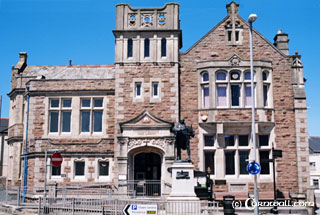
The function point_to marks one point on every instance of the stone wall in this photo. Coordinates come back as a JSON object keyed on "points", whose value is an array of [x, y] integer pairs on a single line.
{"points": [[213, 47]]}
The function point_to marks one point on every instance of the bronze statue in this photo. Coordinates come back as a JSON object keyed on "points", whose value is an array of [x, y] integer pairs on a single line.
{"points": [[183, 134]]}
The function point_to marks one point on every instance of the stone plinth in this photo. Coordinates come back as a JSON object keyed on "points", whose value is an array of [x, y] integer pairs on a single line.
{"points": [[182, 182]]}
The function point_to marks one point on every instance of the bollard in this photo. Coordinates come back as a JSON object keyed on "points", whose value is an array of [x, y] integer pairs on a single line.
{"points": [[227, 205]]}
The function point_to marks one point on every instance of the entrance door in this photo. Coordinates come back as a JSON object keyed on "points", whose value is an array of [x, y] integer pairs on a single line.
{"points": [[147, 173]]}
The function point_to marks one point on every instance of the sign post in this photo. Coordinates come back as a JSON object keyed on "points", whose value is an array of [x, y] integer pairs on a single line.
{"points": [[133, 209]]}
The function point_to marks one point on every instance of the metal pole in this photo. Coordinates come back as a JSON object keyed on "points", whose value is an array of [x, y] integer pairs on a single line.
{"points": [[275, 208], [26, 151], [45, 178], [256, 198]]}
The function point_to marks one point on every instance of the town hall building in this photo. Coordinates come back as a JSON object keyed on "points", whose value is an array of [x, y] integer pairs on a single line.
{"points": [[113, 123]]}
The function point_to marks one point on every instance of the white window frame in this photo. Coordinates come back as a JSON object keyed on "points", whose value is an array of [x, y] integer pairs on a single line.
{"points": [[60, 109], [92, 109]]}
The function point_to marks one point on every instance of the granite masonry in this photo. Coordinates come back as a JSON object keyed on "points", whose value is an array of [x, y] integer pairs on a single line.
{"points": [[113, 122]]}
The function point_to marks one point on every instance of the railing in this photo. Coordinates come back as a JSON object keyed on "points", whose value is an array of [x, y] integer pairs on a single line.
{"points": [[147, 188], [84, 206]]}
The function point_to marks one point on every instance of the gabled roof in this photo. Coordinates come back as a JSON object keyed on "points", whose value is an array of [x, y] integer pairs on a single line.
{"points": [[314, 144], [246, 23]]}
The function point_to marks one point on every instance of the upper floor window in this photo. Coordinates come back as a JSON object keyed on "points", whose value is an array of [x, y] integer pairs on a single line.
{"points": [[91, 114], [146, 48], [155, 89], [59, 115], [233, 32], [130, 48], [163, 47], [137, 89], [266, 86], [205, 89]]}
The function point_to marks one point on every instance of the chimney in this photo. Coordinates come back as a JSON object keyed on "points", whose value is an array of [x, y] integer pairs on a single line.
{"points": [[281, 41], [22, 63]]}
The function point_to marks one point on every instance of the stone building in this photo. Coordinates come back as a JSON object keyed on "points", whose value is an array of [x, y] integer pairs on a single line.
{"points": [[113, 122]]}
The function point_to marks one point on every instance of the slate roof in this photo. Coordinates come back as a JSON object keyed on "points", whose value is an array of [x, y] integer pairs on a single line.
{"points": [[4, 124], [71, 72], [314, 144]]}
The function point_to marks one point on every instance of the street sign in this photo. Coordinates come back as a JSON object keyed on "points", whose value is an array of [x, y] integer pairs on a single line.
{"points": [[56, 159], [133, 209], [253, 168], [277, 153]]}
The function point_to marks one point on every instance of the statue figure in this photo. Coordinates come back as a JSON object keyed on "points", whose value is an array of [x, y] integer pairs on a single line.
{"points": [[183, 134]]}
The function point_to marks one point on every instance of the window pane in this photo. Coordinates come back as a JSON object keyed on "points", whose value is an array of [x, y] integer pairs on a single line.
{"points": [[54, 103], [243, 140], [263, 140], [54, 116], [264, 76], [248, 98], [66, 103], [79, 166], [138, 89], [229, 162], [237, 35], [316, 183], [229, 140], [229, 35], [205, 96], [55, 170], [98, 102], [130, 46], [243, 157], [85, 103], [235, 76], [97, 121], [265, 95], [221, 76], [163, 47], [264, 162], [247, 76], [222, 95], [146, 48], [103, 168], [155, 89], [235, 95], [209, 161], [66, 121], [208, 140], [205, 77], [85, 121]]}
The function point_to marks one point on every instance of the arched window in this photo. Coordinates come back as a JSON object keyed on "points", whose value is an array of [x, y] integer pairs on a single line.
{"points": [[205, 89], [221, 76], [146, 48], [221, 88], [266, 86], [205, 76], [163, 47], [130, 47]]}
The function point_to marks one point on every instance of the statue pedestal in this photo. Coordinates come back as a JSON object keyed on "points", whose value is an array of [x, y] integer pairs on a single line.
{"points": [[182, 182], [182, 199]]}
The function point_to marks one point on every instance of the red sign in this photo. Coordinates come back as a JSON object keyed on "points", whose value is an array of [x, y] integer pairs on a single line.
{"points": [[56, 159]]}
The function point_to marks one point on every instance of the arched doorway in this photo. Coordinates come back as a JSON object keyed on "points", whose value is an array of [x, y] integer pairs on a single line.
{"points": [[147, 174], [147, 166]]}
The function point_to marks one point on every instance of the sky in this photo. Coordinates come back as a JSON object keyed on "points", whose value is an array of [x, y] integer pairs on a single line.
{"points": [[54, 31]]}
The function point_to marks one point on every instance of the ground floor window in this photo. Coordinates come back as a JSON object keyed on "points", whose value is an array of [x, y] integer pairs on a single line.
{"points": [[55, 170], [103, 168], [79, 168]]}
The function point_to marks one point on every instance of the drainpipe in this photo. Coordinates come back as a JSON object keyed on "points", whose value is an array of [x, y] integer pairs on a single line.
{"points": [[25, 175]]}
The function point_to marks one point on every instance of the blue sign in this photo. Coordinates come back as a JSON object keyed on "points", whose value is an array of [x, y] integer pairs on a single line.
{"points": [[253, 168]]}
